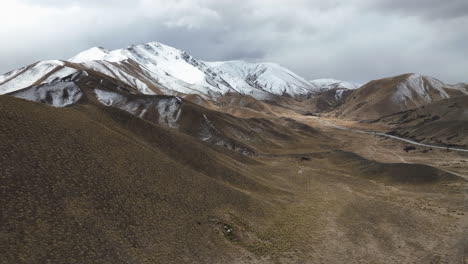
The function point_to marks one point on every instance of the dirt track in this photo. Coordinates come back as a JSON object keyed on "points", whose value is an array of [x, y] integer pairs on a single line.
{"points": [[327, 123]]}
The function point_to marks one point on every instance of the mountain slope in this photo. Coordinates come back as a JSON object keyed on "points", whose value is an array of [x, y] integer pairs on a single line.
{"points": [[39, 72], [269, 77], [172, 68], [442, 122], [48, 71], [242, 135], [396, 94]]}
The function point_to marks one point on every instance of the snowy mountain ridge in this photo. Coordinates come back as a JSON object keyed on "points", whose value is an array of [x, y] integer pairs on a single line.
{"points": [[256, 79], [270, 77], [328, 83], [155, 68]]}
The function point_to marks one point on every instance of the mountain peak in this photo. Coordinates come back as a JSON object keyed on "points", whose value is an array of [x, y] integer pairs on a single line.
{"points": [[94, 53]]}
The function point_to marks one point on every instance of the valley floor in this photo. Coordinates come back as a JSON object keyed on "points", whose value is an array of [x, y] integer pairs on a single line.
{"points": [[338, 215]]}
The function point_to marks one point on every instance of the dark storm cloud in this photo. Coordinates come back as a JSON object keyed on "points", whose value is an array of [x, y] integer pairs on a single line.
{"points": [[356, 40]]}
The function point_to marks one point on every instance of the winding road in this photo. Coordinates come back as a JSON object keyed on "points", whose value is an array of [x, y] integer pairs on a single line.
{"points": [[389, 136]]}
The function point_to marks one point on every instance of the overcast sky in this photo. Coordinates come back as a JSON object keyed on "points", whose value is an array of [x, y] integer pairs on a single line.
{"points": [[355, 40]]}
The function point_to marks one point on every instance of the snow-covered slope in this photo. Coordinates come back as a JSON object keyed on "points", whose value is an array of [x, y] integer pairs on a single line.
{"points": [[417, 88], [154, 56], [327, 84], [168, 108], [94, 53], [166, 67], [48, 71], [269, 77], [39, 72]]}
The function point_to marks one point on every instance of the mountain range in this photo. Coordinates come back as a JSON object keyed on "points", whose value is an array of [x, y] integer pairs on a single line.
{"points": [[239, 88], [154, 68]]}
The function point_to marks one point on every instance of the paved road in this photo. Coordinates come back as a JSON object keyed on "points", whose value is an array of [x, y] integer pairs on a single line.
{"points": [[389, 136]]}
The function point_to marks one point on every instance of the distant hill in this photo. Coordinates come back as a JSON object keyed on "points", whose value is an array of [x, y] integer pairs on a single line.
{"points": [[442, 122], [387, 96]]}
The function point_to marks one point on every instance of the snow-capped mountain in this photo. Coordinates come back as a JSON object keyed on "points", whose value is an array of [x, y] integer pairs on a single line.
{"points": [[270, 77], [155, 68], [165, 66], [328, 84]]}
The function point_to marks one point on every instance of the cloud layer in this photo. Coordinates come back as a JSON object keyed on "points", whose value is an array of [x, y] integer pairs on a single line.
{"points": [[358, 40]]}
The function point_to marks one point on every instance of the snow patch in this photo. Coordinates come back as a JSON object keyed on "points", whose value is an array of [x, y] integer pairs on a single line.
{"points": [[169, 109], [339, 94], [169, 112], [58, 94], [205, 132]]}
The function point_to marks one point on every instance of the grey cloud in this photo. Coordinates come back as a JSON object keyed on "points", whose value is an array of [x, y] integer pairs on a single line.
{"points": [[428, 9], [81, 3], [358, 40], [246, 54]]}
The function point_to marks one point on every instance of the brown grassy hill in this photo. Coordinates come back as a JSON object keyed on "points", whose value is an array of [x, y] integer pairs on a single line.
{"points": [[197, 99], [90, 184], [328, 100], [397, 173], [387, 96], [243, 106], [443, 122]]}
